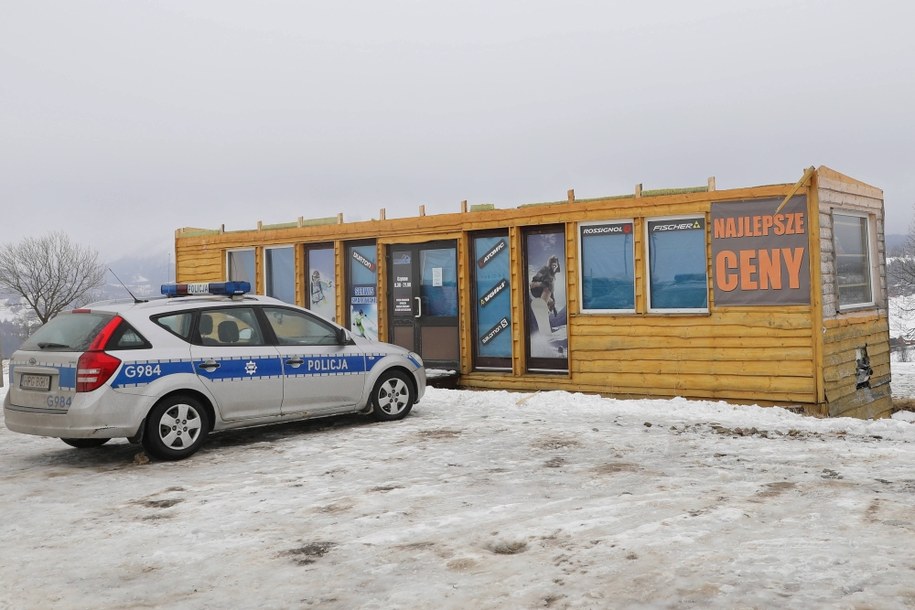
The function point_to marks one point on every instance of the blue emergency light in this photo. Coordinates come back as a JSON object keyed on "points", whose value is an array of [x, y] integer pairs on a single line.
{"points": [[227, 289]]}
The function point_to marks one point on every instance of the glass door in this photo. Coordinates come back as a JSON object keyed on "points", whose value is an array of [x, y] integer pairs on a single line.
{"points": [[423, 301]]}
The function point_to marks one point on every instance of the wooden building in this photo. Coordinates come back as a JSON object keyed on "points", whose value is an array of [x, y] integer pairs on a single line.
{"points": [[774, 295]]}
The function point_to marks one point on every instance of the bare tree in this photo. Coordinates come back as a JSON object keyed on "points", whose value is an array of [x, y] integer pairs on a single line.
{"points": [[900, 274], [50, 273]]}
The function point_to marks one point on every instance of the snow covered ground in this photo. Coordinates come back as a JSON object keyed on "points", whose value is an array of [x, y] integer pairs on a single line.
{"points": [[477, 500]]}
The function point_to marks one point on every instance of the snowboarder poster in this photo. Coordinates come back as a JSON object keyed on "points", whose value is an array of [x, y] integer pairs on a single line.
{"points": [[322, 297], [546, 296]]}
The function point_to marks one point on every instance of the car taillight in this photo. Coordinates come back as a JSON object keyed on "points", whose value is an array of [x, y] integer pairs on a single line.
{"points": [[94, 369], [100, 341]]}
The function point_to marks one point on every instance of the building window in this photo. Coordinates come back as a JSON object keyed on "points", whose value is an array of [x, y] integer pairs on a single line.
{"points": [[279, 273], [322, 295], [492, 311], [677, 265], [361, 289], [544, 250], [852, 260], [240, 266], [607, 269]]}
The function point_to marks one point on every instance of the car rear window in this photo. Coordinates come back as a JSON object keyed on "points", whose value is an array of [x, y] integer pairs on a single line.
{"points": [[68, 332]]}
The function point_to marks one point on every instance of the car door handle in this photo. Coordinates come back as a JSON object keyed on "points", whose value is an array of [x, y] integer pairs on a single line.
{"points": [[295, 362], [209, 365]]}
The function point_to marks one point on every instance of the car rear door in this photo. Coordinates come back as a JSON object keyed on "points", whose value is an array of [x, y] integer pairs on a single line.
{"points": [[234, 362]]}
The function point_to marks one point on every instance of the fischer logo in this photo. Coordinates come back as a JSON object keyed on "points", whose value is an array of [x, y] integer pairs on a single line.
{"points": [[491, 254], [677, 226], [605, 229]]}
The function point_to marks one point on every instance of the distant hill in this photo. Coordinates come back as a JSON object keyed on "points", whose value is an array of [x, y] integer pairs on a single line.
{"points": [[894, 243], [142, 274]]}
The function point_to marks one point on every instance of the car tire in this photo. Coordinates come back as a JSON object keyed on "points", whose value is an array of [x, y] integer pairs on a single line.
{"points": [[392, 396], [85, 443], [176, 428]]}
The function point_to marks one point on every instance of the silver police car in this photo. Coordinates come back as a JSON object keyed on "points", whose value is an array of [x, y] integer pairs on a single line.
{"points": [[168, 371]]}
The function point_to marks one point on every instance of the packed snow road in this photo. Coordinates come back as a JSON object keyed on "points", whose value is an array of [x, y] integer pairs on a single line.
{"points": [[477, 500]]}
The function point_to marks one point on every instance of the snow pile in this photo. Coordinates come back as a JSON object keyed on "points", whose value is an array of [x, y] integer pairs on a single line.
{"points": [[477, 500]]}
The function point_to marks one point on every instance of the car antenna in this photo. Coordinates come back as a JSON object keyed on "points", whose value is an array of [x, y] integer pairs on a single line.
{"points": [[135, 299]]}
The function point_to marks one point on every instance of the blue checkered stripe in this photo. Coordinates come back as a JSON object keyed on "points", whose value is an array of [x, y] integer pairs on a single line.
{"points": [[67, 378], [139, 373], [243, 368], [327, 365], [66, 375]]}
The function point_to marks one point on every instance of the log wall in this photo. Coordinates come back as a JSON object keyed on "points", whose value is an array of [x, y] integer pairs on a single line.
{"points": [[846, 331], [789, 355]]}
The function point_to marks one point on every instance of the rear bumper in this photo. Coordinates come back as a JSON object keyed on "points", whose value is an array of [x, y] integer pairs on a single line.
{"points": [[92, 419]]}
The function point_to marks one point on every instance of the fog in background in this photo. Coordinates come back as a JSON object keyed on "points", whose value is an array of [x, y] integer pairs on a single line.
{"points": [[122, 121]]}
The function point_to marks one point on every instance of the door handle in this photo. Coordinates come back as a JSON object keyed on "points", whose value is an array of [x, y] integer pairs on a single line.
{"points": [[295, 362], [209, 365], [419, 307]]}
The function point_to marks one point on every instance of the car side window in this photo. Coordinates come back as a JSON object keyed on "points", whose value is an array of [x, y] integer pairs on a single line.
{"points": [[176, 323], [293, 327], [230, 326], [127, 337]]}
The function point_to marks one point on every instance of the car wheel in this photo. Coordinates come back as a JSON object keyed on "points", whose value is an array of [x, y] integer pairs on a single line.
{"points": [[175, 428], [392, 396], [85, 443]]}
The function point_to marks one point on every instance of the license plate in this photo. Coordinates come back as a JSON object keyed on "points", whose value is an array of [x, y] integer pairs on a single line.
{"points": [[39, 383]]}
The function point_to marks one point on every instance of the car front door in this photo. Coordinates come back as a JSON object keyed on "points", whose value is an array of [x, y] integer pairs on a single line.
{"points": [[321, 376], [234, 362]]}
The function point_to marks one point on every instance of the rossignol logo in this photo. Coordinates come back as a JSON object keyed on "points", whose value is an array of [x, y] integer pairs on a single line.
{"points": [[364, 261], [688, 225], [486, 258], [493, 332], [493, 292], [624, 229]]}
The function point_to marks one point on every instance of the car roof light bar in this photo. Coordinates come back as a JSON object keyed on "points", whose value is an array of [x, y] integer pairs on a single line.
{"points": [[228, 289]]}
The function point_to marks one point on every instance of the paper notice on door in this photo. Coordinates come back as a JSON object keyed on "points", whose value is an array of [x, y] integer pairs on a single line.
{"points": [[436, 276]]}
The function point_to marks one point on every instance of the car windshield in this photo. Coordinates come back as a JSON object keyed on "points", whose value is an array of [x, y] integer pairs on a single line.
{"points": [[68, 332]]}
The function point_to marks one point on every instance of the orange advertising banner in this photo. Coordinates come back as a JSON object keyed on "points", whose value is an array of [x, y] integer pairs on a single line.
{"points": [[759, 256]]}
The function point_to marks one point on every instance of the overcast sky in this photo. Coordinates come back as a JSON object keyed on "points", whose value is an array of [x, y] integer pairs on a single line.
{"points": [[122, 121]]}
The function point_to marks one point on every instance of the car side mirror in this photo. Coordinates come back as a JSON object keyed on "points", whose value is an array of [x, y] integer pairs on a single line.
{"points": [[342, 338]]}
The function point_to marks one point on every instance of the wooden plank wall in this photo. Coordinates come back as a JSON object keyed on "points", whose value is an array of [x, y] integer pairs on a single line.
{"points": [[766, 355], [845, 331]]}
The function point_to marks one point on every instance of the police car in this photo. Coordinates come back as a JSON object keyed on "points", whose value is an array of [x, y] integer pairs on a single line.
{"points": [[168, 371]]}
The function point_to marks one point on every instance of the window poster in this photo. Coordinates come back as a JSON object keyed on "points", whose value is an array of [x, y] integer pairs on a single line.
{"points": [[322, 295], [492, 288], [402, 287], [363, 287], [546, 298], [677, 264], [606, 266]]}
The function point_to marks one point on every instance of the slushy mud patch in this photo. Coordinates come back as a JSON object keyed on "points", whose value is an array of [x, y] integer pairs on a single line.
{"points": [[507, 547], [309, 553]]}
